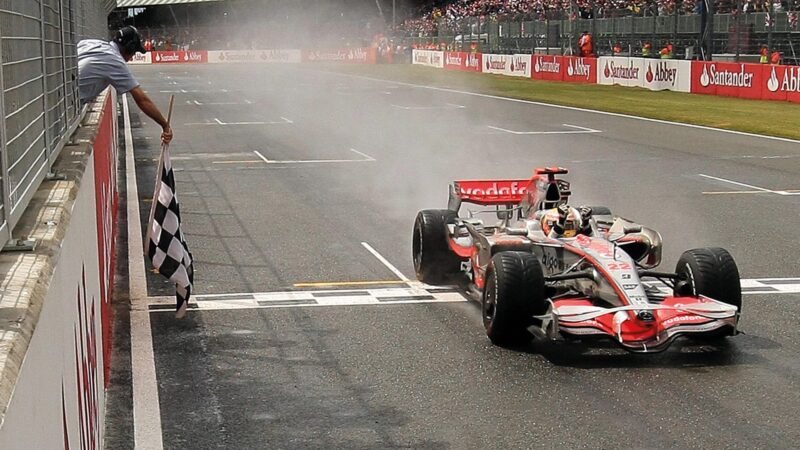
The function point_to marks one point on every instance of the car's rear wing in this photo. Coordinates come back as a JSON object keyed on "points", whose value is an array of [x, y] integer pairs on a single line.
{"points": [[487, 192]]}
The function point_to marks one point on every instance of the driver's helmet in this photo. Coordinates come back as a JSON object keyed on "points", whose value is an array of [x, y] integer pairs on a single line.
{"points": [[572, 225]]}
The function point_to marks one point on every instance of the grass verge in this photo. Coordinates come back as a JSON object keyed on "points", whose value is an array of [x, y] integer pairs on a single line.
{"points": [[752, 116]]}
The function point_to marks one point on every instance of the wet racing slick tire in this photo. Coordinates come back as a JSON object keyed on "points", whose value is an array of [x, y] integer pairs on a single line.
{"points": [[513, 294], [434, 262], [711, 272]]}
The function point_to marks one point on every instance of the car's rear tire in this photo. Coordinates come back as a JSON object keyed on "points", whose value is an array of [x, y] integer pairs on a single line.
{"points": [[711, 272], [513, 294], [434, 262]]}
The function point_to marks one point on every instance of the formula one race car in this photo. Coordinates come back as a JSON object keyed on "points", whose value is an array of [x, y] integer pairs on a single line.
{"points": [[562, 273]]}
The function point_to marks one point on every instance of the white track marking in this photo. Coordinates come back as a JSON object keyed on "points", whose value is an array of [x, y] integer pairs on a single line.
{"points": [[750, 186], [580, 130], [415, 293], [217, 122], [366, 157], [195, 102], [261, 156], [305, 299], [570, 108], [385, 262], [420, 108], [146, 407], [588, 130]]}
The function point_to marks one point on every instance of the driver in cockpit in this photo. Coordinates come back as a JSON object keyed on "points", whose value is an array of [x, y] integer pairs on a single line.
{"points": [[567, 222]]}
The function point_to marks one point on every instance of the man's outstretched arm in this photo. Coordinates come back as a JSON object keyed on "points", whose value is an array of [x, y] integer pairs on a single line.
{"points": [[148, 107]]}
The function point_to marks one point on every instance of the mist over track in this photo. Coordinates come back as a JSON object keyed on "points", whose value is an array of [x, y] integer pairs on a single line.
{"points": [[299, 189]]}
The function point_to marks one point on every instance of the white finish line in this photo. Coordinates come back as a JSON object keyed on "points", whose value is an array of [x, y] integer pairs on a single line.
{"points": [[416, 293], [289, 299]]}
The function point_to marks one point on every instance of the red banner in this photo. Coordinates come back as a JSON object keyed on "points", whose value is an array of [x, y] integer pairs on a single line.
{"points": [[781, 83], [579, 70], [364, 55], [463, 61], [727, 79], [106, 200], [547, 67], [180, 57]]}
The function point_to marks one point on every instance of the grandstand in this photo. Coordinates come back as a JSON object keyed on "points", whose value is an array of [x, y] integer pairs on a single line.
{"points": [[699, 29], [723, 29], [246, 24]]}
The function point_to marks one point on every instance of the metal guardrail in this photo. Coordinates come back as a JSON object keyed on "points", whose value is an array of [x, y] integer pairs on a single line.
{"points": [[39, 103]]}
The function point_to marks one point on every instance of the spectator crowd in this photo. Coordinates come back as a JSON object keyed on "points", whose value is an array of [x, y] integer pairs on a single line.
{"points": [[453, 15]]}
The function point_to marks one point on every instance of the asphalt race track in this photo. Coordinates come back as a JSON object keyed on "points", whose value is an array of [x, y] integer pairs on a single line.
{"points": [[299, 188]]}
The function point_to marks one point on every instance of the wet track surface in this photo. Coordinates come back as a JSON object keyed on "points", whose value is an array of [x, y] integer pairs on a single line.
{"points": [[290, 176]]}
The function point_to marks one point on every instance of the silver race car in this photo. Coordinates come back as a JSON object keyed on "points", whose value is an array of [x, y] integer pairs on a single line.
{"points": [[560, 272]]}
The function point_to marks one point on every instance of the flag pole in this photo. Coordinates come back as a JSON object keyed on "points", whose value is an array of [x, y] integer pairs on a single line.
{"points": [[157, 188]]}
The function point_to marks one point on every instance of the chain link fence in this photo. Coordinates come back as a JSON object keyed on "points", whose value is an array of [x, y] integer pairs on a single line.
{"points": [[40, 106], [727, 35]]}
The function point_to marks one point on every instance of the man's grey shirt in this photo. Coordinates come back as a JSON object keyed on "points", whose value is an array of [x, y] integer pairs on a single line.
{"points": [[100, 63]]}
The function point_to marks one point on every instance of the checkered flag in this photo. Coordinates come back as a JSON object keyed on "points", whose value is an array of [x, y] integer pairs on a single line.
{"points": [[166, 244]]}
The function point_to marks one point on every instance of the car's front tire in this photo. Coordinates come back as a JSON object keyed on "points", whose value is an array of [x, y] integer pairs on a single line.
{"points": [[711, 272], [434, 262], [513, 294]]}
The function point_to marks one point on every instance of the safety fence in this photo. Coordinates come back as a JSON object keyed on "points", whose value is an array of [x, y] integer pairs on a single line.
{"points": [[755, 81], [40, 106], [735, 35]]}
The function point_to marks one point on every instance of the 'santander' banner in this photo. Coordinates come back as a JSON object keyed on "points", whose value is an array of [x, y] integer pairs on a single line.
{"points": [[365, 55], [252, 56], [546, 67], [653, 74], [428, 58], [757, 81], [511, 65], [463, 61], [179, 57]]}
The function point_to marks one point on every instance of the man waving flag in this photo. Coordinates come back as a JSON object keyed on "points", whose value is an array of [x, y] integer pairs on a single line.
{"points": [[166, 245]]}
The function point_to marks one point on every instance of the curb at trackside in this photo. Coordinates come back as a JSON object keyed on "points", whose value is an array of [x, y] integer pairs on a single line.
{"points": [[147, 431]]}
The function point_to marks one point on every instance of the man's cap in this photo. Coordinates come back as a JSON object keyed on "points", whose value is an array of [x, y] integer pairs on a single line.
{"points": [[130, 40]]}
